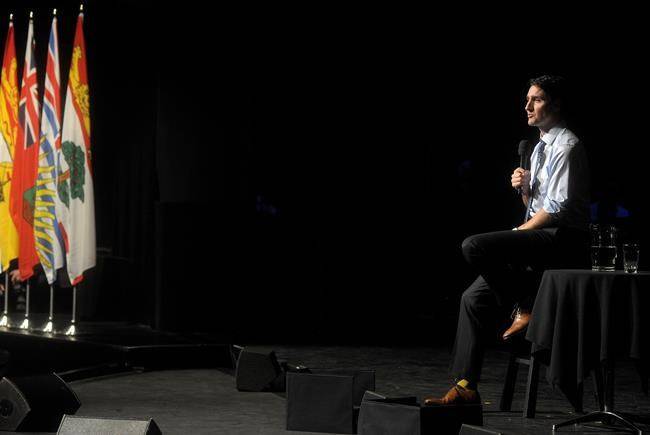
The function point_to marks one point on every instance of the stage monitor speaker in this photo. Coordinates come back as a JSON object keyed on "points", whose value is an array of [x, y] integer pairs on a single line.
{"points": [[257, 370], [326, 400], [78, 425], [35, 403], [468, 429], [379, 417]]}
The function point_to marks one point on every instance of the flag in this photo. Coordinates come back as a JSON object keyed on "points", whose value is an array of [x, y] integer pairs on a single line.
{"points": [[23, 187], [76, 209], [8, 127], [47, 234]]}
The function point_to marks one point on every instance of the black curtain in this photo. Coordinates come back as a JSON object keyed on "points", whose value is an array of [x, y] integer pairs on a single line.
{"points": [[294, 155]]}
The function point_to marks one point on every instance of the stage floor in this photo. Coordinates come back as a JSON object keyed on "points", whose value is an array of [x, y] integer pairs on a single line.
{"points": [[205, 401]]}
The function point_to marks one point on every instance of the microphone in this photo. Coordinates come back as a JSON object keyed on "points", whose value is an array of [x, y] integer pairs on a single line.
{"points": [[524, 146]]}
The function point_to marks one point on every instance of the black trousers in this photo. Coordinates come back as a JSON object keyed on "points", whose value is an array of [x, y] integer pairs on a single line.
{"points": [[510, 265]]}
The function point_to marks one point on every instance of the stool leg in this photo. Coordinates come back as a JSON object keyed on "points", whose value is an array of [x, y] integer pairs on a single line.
{"points": [[530, 403], [509, 385]]}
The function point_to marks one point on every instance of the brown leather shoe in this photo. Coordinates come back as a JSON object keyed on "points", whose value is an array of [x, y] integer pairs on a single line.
{"points": [[456, 396], [519, 324]]}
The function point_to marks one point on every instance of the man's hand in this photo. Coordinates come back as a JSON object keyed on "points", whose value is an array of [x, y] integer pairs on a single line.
{"points": [[521, 179], [14, 275], [540, 220]]}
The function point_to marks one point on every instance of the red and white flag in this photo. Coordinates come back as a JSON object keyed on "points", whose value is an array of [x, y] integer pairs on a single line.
{"points": [[76, 208]]}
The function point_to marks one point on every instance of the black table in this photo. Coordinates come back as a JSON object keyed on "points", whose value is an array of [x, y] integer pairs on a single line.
{"points": [[583, 320]]}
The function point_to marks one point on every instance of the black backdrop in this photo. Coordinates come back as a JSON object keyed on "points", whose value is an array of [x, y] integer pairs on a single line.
{"points": [[300, 173]]}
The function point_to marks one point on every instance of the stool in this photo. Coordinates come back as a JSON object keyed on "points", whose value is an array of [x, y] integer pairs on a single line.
{"points": [[530, 400], [520, 354]]}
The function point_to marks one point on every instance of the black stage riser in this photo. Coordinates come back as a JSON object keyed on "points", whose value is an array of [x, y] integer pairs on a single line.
{"points": [[113, 349]]}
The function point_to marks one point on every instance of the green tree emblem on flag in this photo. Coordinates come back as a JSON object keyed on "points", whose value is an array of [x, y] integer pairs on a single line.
{"points": [[29, 201], [76, 174]]}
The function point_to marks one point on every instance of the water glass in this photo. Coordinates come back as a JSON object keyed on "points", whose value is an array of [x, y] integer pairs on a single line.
{"points": [[630, 257], [603, 247]]}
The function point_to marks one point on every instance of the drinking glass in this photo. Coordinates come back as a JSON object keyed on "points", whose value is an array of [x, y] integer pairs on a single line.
{"points": [[631, 257], [603, 247]]}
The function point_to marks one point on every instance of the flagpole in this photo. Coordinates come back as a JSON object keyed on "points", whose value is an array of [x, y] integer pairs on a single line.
{"points": [[72, 329], [4, 321], [25, 324], [5, 318], [49, 327]]}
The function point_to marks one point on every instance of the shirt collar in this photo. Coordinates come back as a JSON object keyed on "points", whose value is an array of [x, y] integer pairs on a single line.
{"points": [[550, 136]]}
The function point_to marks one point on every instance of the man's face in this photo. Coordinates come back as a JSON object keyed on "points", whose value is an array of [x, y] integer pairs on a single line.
{"points": [[539, 110]]}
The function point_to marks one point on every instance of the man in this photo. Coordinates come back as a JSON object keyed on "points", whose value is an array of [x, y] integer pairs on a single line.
{"points": [[554, 235], [14, 278]]}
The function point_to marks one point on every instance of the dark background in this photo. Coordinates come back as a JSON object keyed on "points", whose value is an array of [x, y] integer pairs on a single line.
{"points": [[309, 174]]}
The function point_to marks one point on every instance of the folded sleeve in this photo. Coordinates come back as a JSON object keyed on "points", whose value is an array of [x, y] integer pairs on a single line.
{"points": [[557, 191]]}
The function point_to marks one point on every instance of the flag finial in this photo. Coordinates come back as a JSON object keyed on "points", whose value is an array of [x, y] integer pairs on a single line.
{"points": [[54, 13], [11, 17], [81, 7], [31, 14]]}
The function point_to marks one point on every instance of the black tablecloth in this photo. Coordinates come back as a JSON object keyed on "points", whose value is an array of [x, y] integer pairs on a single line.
{"points": [[582, 317]]}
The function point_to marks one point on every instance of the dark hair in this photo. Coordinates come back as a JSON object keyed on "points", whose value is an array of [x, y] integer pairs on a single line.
{"points": [[555, 88]]}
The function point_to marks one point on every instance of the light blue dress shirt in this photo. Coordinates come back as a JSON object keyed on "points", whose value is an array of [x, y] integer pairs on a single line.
{"points": [[562, 180]]}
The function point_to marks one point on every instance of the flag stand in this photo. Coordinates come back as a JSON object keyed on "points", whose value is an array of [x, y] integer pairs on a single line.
{"points": [[5, 318], [25, 324], [72, 330], [49, 326]]}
